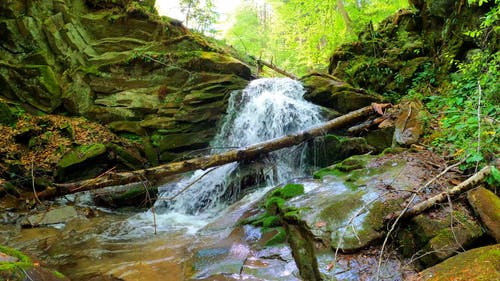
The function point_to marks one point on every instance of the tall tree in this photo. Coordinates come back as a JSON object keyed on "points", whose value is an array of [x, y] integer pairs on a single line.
{"points": [[201, 15]]}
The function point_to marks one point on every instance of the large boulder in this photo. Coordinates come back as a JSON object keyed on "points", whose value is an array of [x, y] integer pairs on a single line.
{"points": [[476, 264], [329, 91], [401, 52], [487, 205]]}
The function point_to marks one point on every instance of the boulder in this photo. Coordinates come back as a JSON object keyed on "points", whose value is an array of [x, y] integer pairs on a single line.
{"points": [[476, 264], [116, 63], [487, 205], [17, 266], [73, 164], [329, 91], [54, 216]]}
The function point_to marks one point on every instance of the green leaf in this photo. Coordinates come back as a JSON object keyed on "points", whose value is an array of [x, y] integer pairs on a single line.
{"points": [[495, 173]]}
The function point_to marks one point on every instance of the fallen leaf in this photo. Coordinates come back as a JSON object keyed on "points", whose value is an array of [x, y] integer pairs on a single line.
{"points": [[379, 107], [320, 224]]}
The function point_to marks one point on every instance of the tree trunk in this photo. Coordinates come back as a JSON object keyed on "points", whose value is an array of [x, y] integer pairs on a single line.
{"points": [[277, 69], [155, 174], [345, 16]]}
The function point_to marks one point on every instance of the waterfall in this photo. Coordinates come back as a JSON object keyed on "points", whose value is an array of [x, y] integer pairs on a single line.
{"points": [[267, 108]]}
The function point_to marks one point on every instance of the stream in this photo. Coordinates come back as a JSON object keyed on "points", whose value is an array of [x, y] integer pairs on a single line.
{"points": [[196, 213]]}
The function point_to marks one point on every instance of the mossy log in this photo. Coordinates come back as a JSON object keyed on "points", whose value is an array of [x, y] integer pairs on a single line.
{"points": [[155, 174]]}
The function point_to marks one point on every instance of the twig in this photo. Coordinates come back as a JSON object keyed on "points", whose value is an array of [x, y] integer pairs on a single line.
{"points": [[73, 190], [33, 182], [478, 124], [451, 222], [412, 198], [148, 198]]}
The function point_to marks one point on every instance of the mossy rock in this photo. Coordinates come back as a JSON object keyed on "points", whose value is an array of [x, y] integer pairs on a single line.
{"points": [[7, 116], [274, 236], [487, 205], [74, 162], [480, 264], [16, 266], [331, 149], [329, 91], [449, 241]]}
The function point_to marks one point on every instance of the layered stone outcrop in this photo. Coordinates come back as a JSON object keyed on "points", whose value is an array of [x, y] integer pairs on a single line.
{"points": [[119, 64], [115, 62], [413, 46]]}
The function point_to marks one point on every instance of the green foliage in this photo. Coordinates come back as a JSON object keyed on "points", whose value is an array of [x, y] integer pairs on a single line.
{"points": [[494, 178], [469, 115], [200, 15], [300, 35]]}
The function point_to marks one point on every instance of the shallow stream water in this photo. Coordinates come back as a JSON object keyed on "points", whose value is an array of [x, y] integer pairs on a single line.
{"points": [[161, 243]]}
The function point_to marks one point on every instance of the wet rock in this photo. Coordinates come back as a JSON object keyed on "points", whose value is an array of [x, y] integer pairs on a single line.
{"points": [[16, 266], [363, 266], [329, 91], [487, 205], [409, 126], [54, 216], [476, 264], [331, 149]]}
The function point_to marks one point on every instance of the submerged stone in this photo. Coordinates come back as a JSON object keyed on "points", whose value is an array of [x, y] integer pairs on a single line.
{"points": [[54, 216]]}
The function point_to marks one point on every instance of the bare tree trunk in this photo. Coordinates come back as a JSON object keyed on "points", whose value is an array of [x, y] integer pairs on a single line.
{"points": [[277, 69], [155, 174], [345, 15]]}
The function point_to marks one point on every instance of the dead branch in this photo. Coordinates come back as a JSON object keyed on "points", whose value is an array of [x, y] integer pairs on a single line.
{"points": [[469, 183], [277, 69]]}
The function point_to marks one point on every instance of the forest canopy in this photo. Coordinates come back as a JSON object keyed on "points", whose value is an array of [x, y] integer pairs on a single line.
{"points": [[299, 35]]}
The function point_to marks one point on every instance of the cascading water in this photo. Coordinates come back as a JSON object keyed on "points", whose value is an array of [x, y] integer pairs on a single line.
{"points": [[265, 109]]}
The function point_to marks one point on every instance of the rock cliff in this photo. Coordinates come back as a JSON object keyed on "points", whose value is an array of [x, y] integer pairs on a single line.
{"points": [[116, 63]]}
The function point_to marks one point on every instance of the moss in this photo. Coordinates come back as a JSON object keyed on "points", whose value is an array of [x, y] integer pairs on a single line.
{"points": [[271, 221], [58, 274], [328, 171], [274, 202], [278, 238], [477, 264], [353, 163], [14, 270], [338, 210], [291, 190], [81, 153], [15, 253]]}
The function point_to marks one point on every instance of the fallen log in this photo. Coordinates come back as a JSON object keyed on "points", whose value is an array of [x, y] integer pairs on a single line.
{"points": [[155, 174], [277, 69], [464, 186]]}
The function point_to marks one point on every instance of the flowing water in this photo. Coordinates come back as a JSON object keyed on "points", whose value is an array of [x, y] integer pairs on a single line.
{"points": [[125, 244], [264, 110]]}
